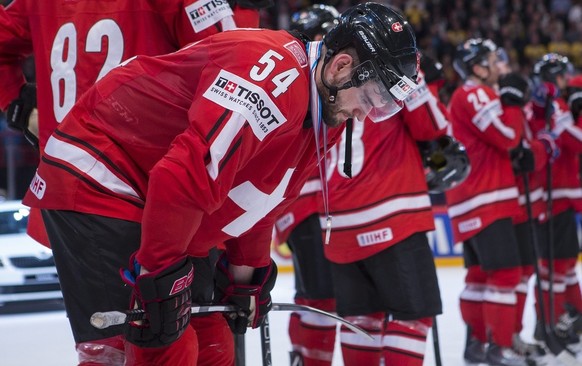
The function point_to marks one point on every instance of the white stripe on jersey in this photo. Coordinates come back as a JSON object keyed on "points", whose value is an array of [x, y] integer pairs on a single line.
{"points": [[376, 212], [223, 142], [86, 163], [570, 193], [534, 196], [481, 200], [311, 186]]}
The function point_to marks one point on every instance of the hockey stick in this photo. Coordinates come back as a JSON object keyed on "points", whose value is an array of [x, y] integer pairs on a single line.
{"points": [[102, 320], [239, 350], [561, 353], [266, 342], [436, 343], [549, 203]]}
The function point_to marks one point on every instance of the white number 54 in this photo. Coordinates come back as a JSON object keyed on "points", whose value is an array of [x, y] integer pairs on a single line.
{"points": [[266, 66]]}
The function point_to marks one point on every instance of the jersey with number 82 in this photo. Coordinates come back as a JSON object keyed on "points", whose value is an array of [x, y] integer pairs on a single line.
{"points": [[77, 42]]}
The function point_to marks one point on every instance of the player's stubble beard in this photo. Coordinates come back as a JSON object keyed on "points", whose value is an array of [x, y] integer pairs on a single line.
{"points": [[330, 112]]}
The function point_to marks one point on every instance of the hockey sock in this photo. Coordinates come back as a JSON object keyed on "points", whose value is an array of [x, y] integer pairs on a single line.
{"points": [[404, 342], [102, 352], [558, 287], [500, 302], [471, 302], [521, 292], [313, 335], [573, 294], [360, 350]]}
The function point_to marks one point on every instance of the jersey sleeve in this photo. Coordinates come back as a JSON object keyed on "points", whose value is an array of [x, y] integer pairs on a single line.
{"points": [[497, 125], [226, 132], [15, 46], [425, 117], [569, 132]]}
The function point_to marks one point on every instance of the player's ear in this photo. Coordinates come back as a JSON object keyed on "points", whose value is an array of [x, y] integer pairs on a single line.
{"points": [[340, 67]]}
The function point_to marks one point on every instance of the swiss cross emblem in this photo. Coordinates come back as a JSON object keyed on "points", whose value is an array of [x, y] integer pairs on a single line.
{"points": [[397, 27], [230, 86]]}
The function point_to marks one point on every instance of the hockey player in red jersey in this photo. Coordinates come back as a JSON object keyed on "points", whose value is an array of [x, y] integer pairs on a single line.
{"points": [[382, 265], [312, 336], [481, 209], [167, 156], [74, 44], [551, 116]]}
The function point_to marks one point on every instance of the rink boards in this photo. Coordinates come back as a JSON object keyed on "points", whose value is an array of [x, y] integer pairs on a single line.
{"points": [[446, 252]]}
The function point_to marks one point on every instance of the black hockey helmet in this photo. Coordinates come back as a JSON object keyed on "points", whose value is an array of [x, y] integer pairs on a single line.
{"points": [[474, 51], [317, 19], [446, 163], [386, 47], [551, 65]]}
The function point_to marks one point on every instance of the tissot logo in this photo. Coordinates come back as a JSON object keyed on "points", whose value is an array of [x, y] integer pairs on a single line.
{"points": [[205, 13], [205, 7], [240, 95]]}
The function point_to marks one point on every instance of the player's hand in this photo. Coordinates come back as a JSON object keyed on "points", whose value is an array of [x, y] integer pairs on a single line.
{"points": [[254, 299], [165, 296], [548, 139], [514, 89], [522, 159]]}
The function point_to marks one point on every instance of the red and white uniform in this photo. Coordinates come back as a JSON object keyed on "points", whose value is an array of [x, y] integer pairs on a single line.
{"points": [[76, 42], [306, 205], [387, 199], [535, 183], [208, 138], [488, 132], [566, 189]]}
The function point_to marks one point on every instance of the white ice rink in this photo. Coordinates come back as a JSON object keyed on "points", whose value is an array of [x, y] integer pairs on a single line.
{"points": [[44, 338]]}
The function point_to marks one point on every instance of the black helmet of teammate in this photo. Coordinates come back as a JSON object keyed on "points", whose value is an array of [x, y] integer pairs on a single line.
{"points": [[446, 162], [551, 65], [317, 19], [474, 51], [384, 41]]}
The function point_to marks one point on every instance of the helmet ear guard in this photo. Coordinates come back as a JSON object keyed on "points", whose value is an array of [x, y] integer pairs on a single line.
{"points": [[446, 163]]}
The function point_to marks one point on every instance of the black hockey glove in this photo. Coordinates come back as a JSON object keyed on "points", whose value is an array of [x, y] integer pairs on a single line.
{"points": [[522, 159], [251, 4], [19, 111], [514, 90], [575, 101], [254, 299], [165, 296]]}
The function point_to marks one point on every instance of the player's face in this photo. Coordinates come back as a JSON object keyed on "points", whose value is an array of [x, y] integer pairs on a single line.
{"points": [[368, 99]]}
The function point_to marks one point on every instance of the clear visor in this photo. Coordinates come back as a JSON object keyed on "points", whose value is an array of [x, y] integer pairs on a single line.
{"points": [[376, 101]]}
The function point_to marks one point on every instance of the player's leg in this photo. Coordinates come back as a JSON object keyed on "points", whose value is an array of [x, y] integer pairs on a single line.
{"points": [[312, 336], [406, 283], [357, 301], [498, 253], [88, 252]]}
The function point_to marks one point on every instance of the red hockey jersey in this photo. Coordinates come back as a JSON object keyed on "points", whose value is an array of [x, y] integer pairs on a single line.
{"points": [[387, 199], [566, 189], [77, 42], [201, 146], [488, 130]]}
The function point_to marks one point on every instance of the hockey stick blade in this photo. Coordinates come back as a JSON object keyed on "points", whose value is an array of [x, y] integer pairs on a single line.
{"points": [[296, 307], [102, 320], [561, 353]]}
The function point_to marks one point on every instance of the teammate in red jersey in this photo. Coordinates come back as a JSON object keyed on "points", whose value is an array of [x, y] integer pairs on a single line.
{"points": [[167, 156], [382, 266], [312, 336], [75, 43], [552, 116], [481, 209]]}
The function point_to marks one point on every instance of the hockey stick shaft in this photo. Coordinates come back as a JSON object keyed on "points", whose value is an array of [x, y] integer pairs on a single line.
{"points": [[549, 204], [102, 320], [266, 341], [436, 343], [552, 343]]}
